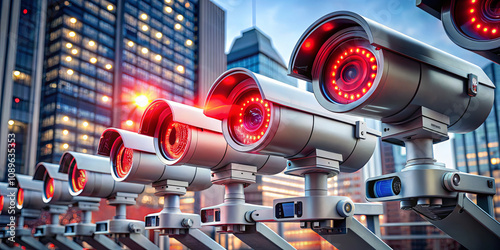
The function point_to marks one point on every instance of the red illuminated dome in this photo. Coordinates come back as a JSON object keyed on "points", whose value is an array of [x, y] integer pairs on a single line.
{"points": [[124, 160], [249, 117], [49, 188], [20, 197], [349, 72], [78, 177], [174, 138], [478, 19]]}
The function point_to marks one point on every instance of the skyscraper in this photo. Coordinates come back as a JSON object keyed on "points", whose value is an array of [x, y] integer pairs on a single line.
{"points": [[254, 51], [478, 152], [22, 25]]}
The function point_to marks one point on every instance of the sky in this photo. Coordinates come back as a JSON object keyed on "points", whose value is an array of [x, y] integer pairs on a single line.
{"points": [[284, 21]]}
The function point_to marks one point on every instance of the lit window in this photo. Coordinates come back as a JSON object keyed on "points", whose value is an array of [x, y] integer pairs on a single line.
{"points": [[157, 57], [93, 60], [168, 1], [69, 45], [72, 34], [70, 72], [11, 122], [189, 42], [65, 118], [180, 68], [177, 26], [145, 27], [85, 124], [168, 9], [65, 132], [17, 73], [91, 43], [65, 146], [180, 17], [130, 44], [159, 35], [110, 7], [144, 50], [68, 59], [74, 51], [84, 150], [187, 5], [72, 20], [105, 99], [85, 137], [108, 66], [129, 122], [144, 16]]}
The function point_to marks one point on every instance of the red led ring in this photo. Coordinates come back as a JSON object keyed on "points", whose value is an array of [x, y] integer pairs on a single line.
{"points": [[174, 139], [124, 161], [78, 177], [20, 197], [478, 19], [49, 188], [249, 118], [349, 72]]}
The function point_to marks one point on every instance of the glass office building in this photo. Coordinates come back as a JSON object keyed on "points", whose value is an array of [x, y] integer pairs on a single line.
{"points": [[478, 152], [21, 64]]}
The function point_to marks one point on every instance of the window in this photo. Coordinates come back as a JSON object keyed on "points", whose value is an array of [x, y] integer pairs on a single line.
{"points": [[104, 75], [104, 88], [90, 19]]}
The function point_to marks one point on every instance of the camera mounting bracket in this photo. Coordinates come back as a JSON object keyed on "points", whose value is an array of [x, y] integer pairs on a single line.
{"points": [[434, 191], [54, 232]]}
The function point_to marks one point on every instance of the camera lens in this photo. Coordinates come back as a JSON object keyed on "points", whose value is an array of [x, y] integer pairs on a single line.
{"points": [[49, 188], [20, 197], [249, 117], [124, 160], [78, 177], [478, 19], [1, 201], [174, 138], [349, 72]]}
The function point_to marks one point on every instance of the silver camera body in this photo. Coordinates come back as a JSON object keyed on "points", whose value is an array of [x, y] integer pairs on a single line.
{"points": [[145, 167], [184, 135], [99, 182], [295, 126], [29, 193], [401, 75]]}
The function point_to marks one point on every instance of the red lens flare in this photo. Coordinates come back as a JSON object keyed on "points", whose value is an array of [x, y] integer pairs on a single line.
{"points": [[174, 138], [478, 19], [124, 160], [49, 188], [20, 197], [249, 117], [349, 73], [78, 177]]}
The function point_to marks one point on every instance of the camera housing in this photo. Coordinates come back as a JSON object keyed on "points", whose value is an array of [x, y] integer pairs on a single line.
{"points": [[260, 114], [90, 175], [29, 193], [184, 135], [357, 65], [133, 159], [55, 185], [472, 25]]}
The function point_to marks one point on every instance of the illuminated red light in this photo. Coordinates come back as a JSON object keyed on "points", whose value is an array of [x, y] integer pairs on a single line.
{"points": [[478, 19], [20, 197], [49, 189], [349, 77], [249, 117], [78, 177], [124, 160], [17, 100], [174, 140], [1, 202], [25, 11]]}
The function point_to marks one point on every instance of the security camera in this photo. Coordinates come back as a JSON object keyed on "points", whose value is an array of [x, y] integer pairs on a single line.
{"points": [[360, 67], [184, 135], [55, 185], [90, 175], [472, 25], [7, 199], [133, 159], [262, 115], [29, 193]]}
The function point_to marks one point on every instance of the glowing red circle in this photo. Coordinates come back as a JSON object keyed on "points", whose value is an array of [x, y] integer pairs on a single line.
{"points": [[124, 161], [20, 197], [478, 19], [174, 139]]}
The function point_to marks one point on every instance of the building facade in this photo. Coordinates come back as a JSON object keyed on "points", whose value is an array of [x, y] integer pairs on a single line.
{"points": [[22, 25], [254, 51], [478, 152]]}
